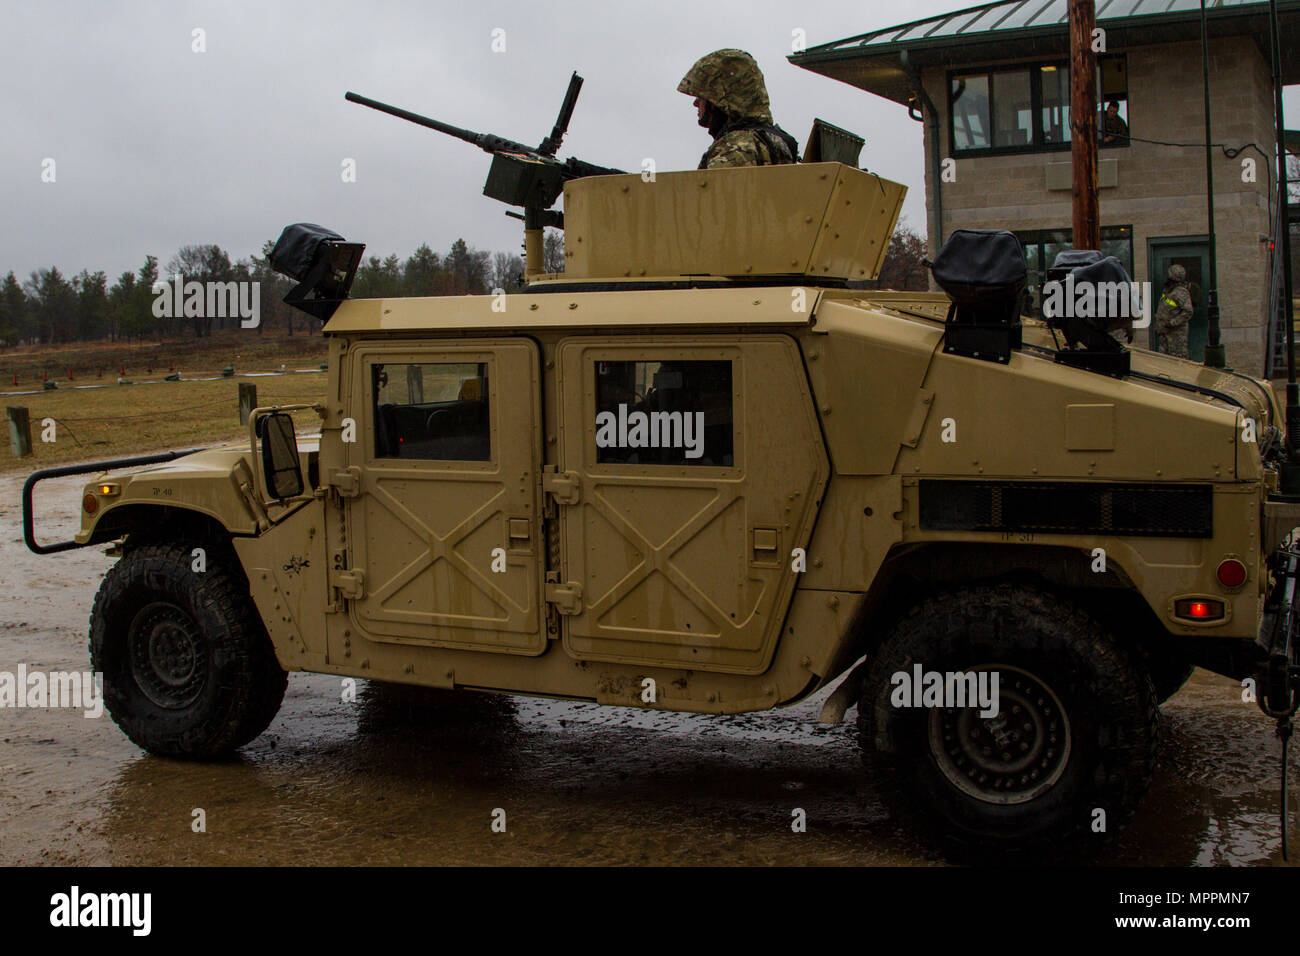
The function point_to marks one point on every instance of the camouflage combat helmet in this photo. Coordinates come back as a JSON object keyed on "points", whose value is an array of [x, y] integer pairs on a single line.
{"points": [[1177, 273], [731, 81]]}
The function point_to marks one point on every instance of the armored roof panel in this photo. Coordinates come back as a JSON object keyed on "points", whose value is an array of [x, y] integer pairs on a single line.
{"points": [[801, 219], [669, 308]]}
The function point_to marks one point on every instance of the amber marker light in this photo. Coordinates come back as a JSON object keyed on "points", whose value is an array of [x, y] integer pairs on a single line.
{"points": [[1198, 609]]}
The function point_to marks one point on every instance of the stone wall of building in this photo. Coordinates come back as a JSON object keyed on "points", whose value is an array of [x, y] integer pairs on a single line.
{"points": [[1160, 190]]}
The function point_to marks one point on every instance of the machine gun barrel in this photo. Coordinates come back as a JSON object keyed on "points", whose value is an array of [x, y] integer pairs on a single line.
{"points": [[485, 141], [552, 142], [520, 175]]}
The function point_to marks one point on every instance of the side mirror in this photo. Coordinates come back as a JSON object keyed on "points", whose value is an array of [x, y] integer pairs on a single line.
{"points": [[280, 465]]}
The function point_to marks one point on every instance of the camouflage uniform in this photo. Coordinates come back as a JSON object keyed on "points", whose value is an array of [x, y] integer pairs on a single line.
{"points": [[1174, 313], [731, 81]]}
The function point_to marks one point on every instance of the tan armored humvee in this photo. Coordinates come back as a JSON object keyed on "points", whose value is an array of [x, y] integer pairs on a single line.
{"points": [[700, 471]]}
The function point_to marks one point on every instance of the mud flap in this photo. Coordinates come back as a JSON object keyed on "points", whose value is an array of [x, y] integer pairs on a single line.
{"points": [[844, 696]]}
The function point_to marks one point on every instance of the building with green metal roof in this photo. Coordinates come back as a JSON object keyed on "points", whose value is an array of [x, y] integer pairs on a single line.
{"points": [[990, 85]]}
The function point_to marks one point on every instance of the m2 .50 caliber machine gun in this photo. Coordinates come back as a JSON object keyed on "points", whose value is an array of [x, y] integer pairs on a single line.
{"points": [[520, 175]]}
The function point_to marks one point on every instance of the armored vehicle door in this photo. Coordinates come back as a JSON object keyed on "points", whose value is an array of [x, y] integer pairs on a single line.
{"points": [[688, 474], [443, 527]]}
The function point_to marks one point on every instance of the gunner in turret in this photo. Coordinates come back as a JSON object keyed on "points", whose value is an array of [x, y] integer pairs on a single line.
{"points": [[731, 103]]}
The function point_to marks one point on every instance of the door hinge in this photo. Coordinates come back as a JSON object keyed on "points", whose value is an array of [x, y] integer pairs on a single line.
{"points": [[346, 482], [563, 486], [351, 584], [567, 598]]}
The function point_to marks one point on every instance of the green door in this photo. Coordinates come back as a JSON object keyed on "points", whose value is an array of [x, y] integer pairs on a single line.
{"points": [[1193, 254]]}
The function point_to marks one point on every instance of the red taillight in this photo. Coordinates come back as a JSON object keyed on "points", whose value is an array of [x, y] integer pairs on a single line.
{"points": [[90, 503], [1195, 609], [1232, 573]]}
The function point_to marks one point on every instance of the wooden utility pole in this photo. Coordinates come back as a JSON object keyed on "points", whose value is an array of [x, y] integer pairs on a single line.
{"points": [[1083, 125]]}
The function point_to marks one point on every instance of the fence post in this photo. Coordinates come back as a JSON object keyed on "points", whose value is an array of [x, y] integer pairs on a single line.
{"points": [[20, 431], [247, 401]]}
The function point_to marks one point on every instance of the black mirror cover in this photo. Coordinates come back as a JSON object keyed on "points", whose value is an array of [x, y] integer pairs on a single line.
{"points": [[280, 463], [1070, 259], [322, 263], [978, 266], [296, 250]]}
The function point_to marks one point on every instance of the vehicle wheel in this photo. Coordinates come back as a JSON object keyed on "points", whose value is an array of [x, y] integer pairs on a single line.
{"points": [[1076, 729], [187, 666]]}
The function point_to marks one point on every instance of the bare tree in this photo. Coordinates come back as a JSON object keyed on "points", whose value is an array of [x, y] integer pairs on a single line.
{"points": [[553, 251], [903, 268], [506, 272]]}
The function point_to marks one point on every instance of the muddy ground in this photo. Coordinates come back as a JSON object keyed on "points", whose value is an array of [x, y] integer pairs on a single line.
{"points": [[414, 777]]}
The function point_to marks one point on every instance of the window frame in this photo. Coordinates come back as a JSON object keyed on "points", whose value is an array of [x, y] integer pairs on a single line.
{"points": [[663, 351], [397, 355], [1037, 144]]}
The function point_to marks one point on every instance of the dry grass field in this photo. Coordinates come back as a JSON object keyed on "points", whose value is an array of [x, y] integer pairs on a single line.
{"points": [[151, 415], [246, 350]]}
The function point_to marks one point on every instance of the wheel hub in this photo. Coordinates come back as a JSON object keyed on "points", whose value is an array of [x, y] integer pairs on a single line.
{"points": [[165, 653], [1010, 758]]}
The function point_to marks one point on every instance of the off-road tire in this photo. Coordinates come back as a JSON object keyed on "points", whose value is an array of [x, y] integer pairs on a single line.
{"points": [[188, 668], [1092, 739]]}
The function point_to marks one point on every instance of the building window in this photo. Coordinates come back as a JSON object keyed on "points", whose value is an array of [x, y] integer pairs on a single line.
{"points": [[1054, 113], [1113, 129], [969, 109], [434, 412], [1044, 245], [664, 413], [1027, 108]]}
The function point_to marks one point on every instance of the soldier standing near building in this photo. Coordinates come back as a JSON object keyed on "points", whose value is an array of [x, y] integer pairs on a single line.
{"points": [[1174, 313], [731, 102]]}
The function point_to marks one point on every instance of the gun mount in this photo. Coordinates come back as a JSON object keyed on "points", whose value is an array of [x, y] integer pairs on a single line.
{"points": [[520, 175]]}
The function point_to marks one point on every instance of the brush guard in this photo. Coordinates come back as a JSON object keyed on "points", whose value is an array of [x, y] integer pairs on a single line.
{"points": [[95, 467]]}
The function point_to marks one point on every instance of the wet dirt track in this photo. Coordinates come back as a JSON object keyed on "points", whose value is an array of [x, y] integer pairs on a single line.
{"points": [[406, 776]]}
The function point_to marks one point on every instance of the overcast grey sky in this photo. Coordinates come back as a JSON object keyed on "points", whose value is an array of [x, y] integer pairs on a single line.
{"points": [[157, 146]]}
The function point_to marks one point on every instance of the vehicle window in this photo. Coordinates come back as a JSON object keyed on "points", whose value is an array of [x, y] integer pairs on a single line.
{"points": [[664, 413], [432, 411]]}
